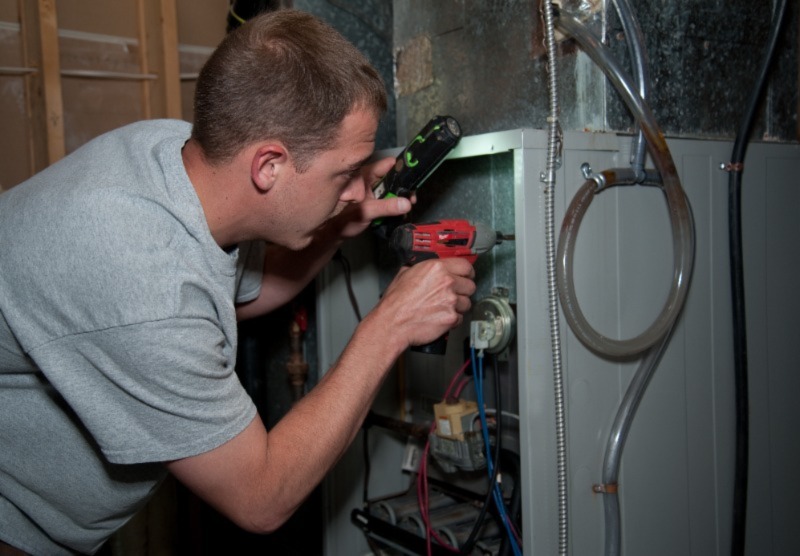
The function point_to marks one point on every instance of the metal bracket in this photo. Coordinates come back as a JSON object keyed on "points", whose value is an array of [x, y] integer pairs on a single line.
{"points": [[611, 488], [588, 174], [731, 167]]}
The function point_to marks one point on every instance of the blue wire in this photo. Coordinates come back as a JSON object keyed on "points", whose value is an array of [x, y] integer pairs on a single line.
{"points": [[497, 494], [477, 371]]}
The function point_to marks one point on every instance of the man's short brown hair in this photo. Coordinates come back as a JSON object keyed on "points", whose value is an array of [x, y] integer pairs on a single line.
{"points": [[284, 75]]}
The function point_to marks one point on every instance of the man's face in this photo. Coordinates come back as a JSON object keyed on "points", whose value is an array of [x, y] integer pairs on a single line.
{"points": [[332, 181]]}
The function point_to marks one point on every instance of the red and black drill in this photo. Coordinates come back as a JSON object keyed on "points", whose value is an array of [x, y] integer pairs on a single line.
{"points": [[434, 240], [442, 239]]}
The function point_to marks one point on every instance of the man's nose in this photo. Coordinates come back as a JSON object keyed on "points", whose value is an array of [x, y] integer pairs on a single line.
{"points": [[355, 192]]}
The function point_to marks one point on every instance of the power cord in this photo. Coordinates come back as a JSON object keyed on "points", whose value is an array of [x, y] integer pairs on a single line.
{"points": [[348, 279]]}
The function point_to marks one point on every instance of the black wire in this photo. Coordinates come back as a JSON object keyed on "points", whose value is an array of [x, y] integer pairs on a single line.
{"points": [[339, 256], [737, 291], [498, 445], [469, 544], [516, 495], [367, 463]]}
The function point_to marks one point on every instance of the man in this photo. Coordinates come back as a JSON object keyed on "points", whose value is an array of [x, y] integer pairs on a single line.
{"points": [[121, 265]]}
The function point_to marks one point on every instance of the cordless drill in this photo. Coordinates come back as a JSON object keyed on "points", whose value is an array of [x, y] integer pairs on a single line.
{"points": [[443, 239]]}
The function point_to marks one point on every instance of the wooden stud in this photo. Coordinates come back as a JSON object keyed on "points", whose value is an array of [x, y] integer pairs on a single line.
{"points": [[158, 38], [144, 63], [39, 34], [37, 147], [51, 80], [172, 73]]}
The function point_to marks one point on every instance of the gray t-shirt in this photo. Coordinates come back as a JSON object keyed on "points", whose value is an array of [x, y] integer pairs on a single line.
{"points": [[117, 336]]}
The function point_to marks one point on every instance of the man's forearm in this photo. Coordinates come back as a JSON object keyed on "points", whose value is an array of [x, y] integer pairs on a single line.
{"points": [[259, 478], [312, 437]]}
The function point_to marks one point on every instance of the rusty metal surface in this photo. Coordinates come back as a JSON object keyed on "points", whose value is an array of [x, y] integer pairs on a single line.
{"points": [[413, 66], [488, 71], [368, 25], [704, 58]]}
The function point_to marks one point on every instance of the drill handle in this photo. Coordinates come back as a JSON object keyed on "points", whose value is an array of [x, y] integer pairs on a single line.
{"points": [[436, 347]]}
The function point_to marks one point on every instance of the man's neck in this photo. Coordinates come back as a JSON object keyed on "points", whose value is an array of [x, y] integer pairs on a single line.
{"points": [[216, 187]]}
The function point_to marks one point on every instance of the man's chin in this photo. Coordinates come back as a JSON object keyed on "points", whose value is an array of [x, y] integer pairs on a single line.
{"points": [[297, 244], [301, 243]]}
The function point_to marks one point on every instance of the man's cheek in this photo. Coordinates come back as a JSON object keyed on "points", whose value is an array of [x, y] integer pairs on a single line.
{"points": [[337, 210]]}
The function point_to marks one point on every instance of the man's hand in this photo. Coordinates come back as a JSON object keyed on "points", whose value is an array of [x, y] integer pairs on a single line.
{"points": [[425, 301]]}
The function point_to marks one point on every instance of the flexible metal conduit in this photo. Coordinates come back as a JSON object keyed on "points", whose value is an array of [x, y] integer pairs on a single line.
{"points": [[679, 213], [549, 179]]}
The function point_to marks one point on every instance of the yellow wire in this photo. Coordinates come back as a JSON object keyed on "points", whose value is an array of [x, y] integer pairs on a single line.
{"points": [[236, 16]]}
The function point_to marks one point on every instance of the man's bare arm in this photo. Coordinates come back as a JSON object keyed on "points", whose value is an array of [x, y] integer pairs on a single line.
{"points": [[259, 478]]}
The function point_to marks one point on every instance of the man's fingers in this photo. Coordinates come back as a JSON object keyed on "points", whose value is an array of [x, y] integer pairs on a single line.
{"points": [[463, 304], [428, 299], [377, 170], [459, 267], [381, 208]]}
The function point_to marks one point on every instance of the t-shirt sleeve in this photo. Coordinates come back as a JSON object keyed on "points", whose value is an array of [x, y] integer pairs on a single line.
{"points": [[154, 391], [249, 270]]}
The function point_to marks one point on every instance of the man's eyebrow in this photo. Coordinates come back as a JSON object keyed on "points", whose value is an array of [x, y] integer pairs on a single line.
{"points": [[360, 164]]}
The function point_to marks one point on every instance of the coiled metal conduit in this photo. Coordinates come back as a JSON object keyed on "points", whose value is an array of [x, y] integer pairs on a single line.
{"points": [[549, 178]]}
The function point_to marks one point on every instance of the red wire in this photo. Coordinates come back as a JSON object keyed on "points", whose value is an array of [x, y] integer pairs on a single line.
{"points": [[422, 476], [423, 498], [461, 387], [455, 378], [513, 530]]}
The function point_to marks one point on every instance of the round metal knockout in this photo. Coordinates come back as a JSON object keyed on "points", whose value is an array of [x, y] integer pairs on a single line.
{"points": [[497, 312]]}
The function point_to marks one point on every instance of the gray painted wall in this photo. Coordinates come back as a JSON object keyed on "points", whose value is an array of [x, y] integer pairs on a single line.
{"points": [[677, 470]]}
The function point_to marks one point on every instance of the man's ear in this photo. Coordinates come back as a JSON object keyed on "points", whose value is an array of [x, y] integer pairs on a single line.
{"points": [[269, 160]]}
